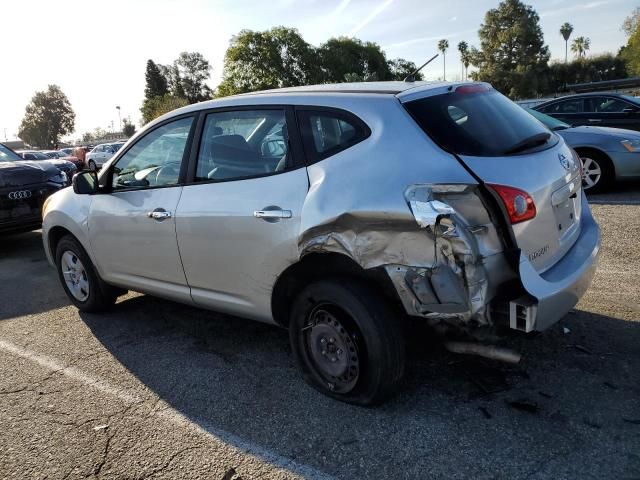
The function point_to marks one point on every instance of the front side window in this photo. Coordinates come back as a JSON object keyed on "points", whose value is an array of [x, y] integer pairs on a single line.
{"points": [[155, 159], [242, 144], [326, 133], [606, 105]]}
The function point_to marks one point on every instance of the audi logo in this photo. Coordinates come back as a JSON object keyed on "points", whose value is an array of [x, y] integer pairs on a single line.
{"points": [[20, 194]]}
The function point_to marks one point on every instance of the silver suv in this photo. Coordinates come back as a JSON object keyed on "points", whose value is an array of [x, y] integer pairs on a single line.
{"points": [[336, 211]]}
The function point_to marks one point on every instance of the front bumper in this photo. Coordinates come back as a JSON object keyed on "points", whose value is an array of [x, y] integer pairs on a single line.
{"points": [[555, 292]]}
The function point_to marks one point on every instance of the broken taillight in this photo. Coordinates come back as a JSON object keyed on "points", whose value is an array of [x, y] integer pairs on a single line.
{"points": [[519, 204]]}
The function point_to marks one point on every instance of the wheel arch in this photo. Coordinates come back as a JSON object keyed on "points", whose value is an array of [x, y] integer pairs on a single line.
{"points": [[604, 156], [315, 266]]}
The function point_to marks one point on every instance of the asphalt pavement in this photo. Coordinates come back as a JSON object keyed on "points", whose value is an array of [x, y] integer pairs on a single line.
{"points": [[154, 389]]}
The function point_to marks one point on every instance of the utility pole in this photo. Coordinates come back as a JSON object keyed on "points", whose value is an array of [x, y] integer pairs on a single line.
{"points": [[119, 116]]}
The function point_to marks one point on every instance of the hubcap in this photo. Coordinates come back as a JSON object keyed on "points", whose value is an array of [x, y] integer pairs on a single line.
{"points": [[591, 173], [75, 276], [332, 348]]}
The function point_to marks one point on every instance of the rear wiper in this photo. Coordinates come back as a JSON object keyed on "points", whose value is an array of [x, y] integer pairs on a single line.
{"points": [[528, 143]]}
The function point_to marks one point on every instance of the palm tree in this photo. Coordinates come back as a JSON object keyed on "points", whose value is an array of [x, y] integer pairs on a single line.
{"points": [[443, 45], [580, 46], [565, 30], [463, 48]]}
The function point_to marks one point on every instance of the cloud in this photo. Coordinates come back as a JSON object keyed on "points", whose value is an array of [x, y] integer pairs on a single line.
{"points": [[573, 8], [376, 11], [413, 41]]}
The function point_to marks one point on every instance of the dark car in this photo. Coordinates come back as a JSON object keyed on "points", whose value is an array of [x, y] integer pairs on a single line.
{"points": [[24, 186], [595, 109], [67, 166]]}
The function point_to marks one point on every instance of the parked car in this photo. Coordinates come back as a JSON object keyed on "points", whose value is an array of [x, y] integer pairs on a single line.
{"points": [[62, 155], [595, 109], [81, 152], [607, 154], [335, 211], [68, 152], [24, 186], [66, 166], [101, 154]]}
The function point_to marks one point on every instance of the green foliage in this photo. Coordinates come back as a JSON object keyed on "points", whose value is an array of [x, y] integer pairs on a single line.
{"points": [[158, 106], [565, 30], [343, 56], [512, 56], [594, 69], [271, 59], [192, 71], [580, 46], [96, 134], [401, 69], [465, 56], [631, 51], [128, 128], [48, 117], [156, 83]]}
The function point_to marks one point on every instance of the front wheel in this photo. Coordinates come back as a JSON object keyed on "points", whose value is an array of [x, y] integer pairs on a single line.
{"points": [[86, 290], [596, 173], [347, 341], [92, 166]]}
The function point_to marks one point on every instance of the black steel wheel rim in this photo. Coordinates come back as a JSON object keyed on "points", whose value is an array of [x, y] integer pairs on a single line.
{"points": [[331, 343]]}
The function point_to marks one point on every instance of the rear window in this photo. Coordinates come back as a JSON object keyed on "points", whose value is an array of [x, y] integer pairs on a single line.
{"points": [[476, 120]]}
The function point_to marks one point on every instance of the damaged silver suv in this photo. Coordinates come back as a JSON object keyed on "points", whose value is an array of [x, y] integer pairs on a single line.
{"points": [[335, 211]]}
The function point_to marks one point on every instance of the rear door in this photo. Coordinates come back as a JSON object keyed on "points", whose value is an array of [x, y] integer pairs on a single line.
{"points": [[571, 111], [505, 146], [238, 220]]}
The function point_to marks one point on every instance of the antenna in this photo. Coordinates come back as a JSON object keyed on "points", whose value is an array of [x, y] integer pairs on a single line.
{"points": [[412, 77]]}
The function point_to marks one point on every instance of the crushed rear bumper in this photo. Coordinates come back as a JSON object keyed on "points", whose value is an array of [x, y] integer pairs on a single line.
{"points": [[555, 292]]}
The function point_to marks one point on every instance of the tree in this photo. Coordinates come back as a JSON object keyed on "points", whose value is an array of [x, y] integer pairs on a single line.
{"points": [[463, 48], [192, 71], [158, 106], [580, 46], [512, 56], [344, 56], [128, 128], [565, 30], [443, 46], [156, 83], [48, 117], [401, 69], [274, 58], [631, 51]]}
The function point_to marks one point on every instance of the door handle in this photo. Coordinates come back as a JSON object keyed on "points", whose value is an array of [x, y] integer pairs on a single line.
{"points": [[159, 214], [595, 120], [272, 214]]}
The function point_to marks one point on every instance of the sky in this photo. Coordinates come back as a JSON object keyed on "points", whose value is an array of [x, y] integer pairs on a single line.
{"points": [[96, 51]]}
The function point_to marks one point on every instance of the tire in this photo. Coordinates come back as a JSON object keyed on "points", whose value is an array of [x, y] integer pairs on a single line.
{"points": [[598, 173], [92, 166], [91, 293], [347, 341]]}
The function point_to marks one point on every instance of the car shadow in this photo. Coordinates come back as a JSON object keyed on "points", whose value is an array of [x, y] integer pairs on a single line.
{"points": [[576, 383], [620, 193], [22, 257]]}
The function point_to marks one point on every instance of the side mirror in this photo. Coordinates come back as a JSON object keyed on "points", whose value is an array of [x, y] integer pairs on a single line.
{"points": [[85, 183]]}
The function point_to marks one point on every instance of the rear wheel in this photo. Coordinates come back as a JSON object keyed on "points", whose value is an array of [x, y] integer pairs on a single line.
{"points": [[347, 341], [597, 173], [92, 166], [86, 290]]}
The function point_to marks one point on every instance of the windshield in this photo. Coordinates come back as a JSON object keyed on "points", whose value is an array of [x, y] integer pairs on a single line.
{"points": [[548, 121], [476, 120], [39, 156], [7, 155]]}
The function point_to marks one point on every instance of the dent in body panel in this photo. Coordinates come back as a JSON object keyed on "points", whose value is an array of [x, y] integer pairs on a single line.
{"points": [[440, 250]]}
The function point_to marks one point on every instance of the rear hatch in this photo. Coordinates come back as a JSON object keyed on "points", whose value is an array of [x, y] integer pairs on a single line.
{"points": [[530, 168]]}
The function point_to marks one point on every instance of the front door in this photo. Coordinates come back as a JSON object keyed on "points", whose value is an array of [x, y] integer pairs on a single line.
{"points": [[238, 223], [132, 227]]}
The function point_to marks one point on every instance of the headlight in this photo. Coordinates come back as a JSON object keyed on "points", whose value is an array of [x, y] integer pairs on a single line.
{"points": [[631, 145], [60, 178]]}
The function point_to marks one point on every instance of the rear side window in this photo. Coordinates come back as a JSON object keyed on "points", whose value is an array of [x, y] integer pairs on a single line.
{"points": [[476, 120], [326, 133]]}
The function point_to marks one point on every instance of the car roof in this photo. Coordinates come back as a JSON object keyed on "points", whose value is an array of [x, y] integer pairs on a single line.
{"points": [[588, 94]]}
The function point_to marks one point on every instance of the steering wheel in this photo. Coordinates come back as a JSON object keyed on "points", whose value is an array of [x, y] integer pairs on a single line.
{"points": [[168, 174]]}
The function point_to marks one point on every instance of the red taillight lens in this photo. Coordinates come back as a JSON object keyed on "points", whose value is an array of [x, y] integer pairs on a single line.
{"points": [[518, 203]]}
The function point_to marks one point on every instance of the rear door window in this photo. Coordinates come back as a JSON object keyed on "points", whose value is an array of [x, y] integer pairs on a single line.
{"points": [[477, 120], [327, 132]]}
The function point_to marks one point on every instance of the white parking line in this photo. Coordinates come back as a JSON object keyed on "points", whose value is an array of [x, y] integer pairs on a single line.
{"points": [[200, 426]]}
